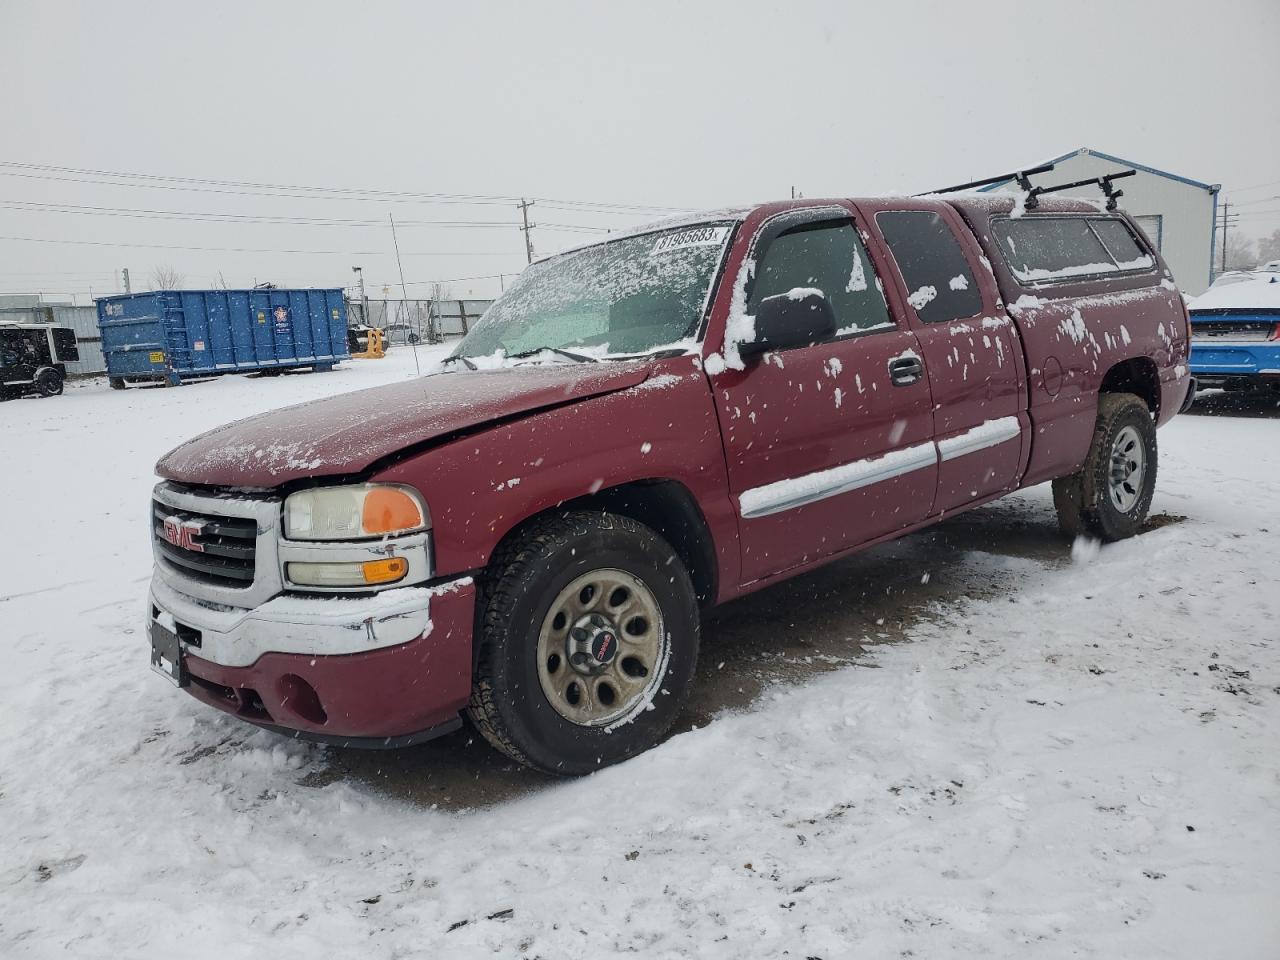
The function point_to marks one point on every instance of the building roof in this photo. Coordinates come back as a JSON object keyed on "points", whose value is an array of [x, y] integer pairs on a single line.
{"points": [[1211, 187]]}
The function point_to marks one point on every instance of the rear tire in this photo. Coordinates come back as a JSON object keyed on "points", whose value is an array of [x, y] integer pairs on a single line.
{"points": [[1110, 496], [48, 382], [116, 383], [543, 621]]}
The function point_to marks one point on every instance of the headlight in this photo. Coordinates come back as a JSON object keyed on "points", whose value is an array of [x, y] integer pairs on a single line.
{"points": [[356, 512]]}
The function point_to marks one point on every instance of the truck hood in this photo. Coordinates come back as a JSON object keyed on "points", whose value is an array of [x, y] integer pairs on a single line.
{"points": [[348, 433]]}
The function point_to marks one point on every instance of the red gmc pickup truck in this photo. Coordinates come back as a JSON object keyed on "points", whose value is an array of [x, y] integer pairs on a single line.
{"points": [[643, 428]]}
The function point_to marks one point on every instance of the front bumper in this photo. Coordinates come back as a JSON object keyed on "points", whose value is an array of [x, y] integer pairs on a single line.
{"points": [[379, 671]]}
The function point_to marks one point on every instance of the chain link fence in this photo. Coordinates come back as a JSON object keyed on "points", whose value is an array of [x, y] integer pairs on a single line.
{"points": [[417, 321]]}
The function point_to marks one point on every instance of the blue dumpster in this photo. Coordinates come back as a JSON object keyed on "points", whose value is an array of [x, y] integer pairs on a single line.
{"points": [[177, 335]]}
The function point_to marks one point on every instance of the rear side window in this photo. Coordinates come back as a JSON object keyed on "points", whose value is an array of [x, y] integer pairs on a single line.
{"points": [[1121, 244], [64, 342], [940, 285], [829, 257], [1046, 249]]}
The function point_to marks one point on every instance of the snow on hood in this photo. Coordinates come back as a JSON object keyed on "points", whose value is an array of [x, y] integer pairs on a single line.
{"points": [[348, 433], [1254, 291]]}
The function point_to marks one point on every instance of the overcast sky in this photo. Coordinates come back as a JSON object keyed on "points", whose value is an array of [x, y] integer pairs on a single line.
{"points": [[653, 104]]}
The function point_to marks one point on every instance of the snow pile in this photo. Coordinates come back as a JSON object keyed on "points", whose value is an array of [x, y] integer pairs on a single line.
{"points": [[1256, 291]]}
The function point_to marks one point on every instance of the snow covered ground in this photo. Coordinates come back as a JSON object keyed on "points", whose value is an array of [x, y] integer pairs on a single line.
{"points": [[1084, 765]]}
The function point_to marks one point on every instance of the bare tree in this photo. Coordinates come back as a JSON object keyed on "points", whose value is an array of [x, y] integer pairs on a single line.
{"points": [[1269, 247], [1241, 253], [165, 277]]}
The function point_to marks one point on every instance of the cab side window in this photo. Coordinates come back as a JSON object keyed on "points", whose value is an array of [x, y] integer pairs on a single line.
{"points": [[828, 257], [10, 348], [940, 285]]}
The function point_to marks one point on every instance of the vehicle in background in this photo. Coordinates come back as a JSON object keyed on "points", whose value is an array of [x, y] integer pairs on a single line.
{"points": [[172, 336], [1235, 332], [641, 429], [33, 358]]}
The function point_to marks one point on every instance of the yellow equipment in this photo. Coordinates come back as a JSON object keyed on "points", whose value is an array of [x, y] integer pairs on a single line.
{"points": [[373, 349]]}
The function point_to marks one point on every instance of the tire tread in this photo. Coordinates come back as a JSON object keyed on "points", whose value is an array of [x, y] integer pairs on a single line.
{"points": [[512, 563], [1076, 497]]}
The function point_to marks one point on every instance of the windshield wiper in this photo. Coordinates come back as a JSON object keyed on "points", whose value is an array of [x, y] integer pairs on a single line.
{"points": [[579, 357], [466, 360]]}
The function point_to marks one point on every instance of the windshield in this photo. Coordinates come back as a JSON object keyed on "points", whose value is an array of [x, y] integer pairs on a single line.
{"points": [[626, 297]]}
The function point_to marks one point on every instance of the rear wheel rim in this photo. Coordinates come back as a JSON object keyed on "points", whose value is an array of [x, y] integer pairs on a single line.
{"points": [[602, 648], [1128, 470]]}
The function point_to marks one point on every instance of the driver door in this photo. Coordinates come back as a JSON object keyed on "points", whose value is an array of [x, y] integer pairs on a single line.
{"points": [[17, 356], [828, 446]]}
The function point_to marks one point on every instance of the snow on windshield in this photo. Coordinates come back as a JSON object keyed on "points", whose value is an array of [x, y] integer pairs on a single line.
{"points": [[623, 297]]}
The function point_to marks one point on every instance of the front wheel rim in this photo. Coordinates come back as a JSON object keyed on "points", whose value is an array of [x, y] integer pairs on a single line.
{"points": [[1128, 470], [602, 648]]}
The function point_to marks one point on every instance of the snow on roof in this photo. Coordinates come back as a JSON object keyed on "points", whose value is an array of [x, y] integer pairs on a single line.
{"points": [[1239, 290]]}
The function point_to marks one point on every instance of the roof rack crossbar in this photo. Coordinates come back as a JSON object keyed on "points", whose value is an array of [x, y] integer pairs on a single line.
{"points": [[1104, 184], [1019, 175]]}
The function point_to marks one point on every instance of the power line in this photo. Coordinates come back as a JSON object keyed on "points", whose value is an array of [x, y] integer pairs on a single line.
{"points": [[576, 227], [144, 213], [31, 206], [244, 184], [1256, 186], [236, 193], [56, 273], [345, 253], [1249, 203], [297, 191], [483, 276]]}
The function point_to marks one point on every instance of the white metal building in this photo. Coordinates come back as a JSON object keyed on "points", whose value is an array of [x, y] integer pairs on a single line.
{"points": [[83, 320], [1177, 213]]}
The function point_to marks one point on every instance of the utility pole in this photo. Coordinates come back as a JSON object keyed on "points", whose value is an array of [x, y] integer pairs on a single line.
{"points": [[364, 300], [125, 273], [524, 206], [1227, 218]]}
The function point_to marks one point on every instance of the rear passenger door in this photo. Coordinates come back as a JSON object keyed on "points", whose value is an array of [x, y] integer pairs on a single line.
{"points": [[807, 431], [970, 347]]}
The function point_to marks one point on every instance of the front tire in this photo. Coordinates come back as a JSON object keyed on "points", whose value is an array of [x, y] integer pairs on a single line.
{"points": [[1111, 494], [587, 642]]}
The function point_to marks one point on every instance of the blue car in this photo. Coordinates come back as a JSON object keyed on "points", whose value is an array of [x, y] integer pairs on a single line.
{"points": [[1235, 332]]}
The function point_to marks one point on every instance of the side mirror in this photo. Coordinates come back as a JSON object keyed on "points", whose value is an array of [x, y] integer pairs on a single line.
{"points": [[797, 318]]}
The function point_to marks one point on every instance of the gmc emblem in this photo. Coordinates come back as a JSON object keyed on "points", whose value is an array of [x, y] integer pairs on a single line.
{"points": [[183, 533]]}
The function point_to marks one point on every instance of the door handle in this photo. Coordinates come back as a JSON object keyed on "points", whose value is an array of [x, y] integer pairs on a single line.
{"points": [[904, 371]]}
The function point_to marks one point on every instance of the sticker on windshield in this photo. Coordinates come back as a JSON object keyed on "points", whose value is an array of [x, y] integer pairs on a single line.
{"points": [[697, 237]]}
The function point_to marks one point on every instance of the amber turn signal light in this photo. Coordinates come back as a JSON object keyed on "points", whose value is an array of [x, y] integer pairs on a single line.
{"points": [[385, 571]]}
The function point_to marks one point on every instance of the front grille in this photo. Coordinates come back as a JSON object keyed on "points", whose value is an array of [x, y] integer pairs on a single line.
{"points": [[223, 549]]}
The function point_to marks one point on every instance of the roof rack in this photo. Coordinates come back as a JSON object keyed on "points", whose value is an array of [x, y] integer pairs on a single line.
{"points": [[1019, 175], [1104, 184]]}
